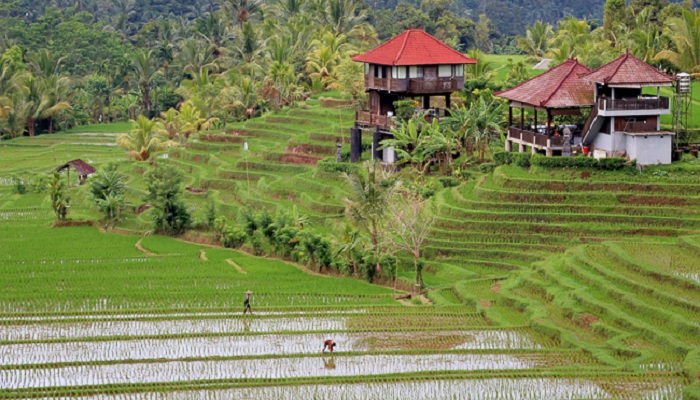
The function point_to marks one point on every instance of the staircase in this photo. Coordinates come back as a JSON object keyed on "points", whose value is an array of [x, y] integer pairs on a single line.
{"points": [[592, 127]]}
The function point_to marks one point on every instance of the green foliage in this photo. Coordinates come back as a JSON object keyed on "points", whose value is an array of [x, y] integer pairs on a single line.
{"points": [[502, 158], [60, 201], [331, 166], [163, 192], [107, 188], [233, 237], [608, 164], [404, 109], [19, 186], [521, 160]]}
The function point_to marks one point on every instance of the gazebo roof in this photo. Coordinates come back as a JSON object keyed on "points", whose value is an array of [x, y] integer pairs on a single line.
{"points": [[561, 86], [628, 70], [79, 165], [413, 47]]}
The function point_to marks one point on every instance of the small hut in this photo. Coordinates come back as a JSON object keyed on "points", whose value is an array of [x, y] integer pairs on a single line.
{"points": [[81, 167]]}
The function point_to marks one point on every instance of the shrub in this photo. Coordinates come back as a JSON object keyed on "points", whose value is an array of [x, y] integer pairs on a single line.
{"points": [[487, 168], [448, 181], [608, 164], [233, 237], [502, 158], [521, 160], [19, 186], [331, 166]]}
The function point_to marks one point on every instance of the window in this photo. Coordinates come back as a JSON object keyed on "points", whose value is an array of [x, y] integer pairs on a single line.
{"points": [[415, 72], [459, 70], [394, 72], [401, 74], [378, 71], [366, 69], [445, 71]]}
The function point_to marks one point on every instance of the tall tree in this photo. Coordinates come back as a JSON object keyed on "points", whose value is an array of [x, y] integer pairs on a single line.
{"points": [[144, 67], [163, 192], [615, 13], [143, 140], [685, 35], [537, 39], [368, 202]]}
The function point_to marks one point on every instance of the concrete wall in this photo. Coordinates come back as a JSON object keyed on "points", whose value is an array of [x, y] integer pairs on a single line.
{"points": [[610, 142], [651, 149]]}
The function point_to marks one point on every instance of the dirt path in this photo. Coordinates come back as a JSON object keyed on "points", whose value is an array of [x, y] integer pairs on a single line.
{"points": [[142, 250], [236, 266]]}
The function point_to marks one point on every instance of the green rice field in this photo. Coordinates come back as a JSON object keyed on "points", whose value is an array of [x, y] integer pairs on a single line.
{"points": [[540, 283]]}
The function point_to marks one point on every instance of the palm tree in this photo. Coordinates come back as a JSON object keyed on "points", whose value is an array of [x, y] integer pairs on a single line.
{"points": [[368, 201], [43, 64], [56, 92], [242, 9], [342, 16], [483, 69], [322, 62], [537, 39], [145, 68], [684, 33], [143, 140]]}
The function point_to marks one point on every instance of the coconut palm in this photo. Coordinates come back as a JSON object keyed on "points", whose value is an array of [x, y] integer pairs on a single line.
{"points": [[144, 67], [43, 64], [537, 39], [143, 140], [684, 33], [368, 201]]}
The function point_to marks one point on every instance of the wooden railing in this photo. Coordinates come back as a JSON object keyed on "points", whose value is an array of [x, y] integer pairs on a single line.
{"points": [[530, 137], [639, 127], [439, 85], [656, 103], [382, 121]]}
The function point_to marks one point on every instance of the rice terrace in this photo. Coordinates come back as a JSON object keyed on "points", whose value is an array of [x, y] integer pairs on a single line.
{"points": [[281, 200]]}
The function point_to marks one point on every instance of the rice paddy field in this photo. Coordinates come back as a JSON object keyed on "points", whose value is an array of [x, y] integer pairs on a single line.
{"points": [[542, 284]]}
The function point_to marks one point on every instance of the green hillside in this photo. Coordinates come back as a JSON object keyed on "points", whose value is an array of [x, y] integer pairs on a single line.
{"points": [[581, 283]]}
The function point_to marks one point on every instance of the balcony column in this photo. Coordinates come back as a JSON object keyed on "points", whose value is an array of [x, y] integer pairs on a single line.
{"points": [[521, 147], [510, 116], [509, 146], [549, 152], [355, 144], [533, 149], [522, 118]]}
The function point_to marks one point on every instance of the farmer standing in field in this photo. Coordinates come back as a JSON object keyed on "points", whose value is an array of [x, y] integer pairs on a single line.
{"points": [[246, 303], [330, 344]]}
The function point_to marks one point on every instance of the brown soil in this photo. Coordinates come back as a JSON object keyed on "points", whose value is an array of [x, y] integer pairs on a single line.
{"points": [[195, 190], [200, 238], [221, 139], [310, 149], [651, 201], [69, 223], [496, 287], [585, 320], [238, 133], [301, 159], [142, 208], [485, 303]]}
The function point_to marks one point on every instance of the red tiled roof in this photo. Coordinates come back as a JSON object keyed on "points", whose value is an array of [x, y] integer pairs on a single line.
{"points": [[561, 86], [413, 47], [628, 69]]}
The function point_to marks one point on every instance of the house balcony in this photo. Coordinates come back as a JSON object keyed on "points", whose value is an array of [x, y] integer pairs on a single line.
{"points": [[629, 107], [367, 119], [417, 85], [535, 139]]}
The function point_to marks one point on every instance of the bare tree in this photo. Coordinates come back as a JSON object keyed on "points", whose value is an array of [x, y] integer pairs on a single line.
{"points": [[411, 219]]}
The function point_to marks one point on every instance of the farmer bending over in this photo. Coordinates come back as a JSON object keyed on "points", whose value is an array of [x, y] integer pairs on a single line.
{"points": [[330, 344]]}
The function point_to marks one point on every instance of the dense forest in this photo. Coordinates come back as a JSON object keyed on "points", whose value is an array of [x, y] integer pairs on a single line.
{"points": [[194, 64]]}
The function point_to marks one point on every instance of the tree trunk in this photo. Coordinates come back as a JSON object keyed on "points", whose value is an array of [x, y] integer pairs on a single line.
{"points": [[50, 125], [30, 126], [147, 98]]}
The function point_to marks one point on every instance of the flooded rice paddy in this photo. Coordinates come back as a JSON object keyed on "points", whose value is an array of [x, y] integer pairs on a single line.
{"points": [[448, 389], [269, 368], [258, 345]]}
